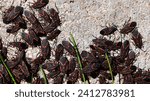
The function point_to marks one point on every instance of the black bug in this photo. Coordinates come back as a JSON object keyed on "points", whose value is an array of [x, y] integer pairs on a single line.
{"points": [[53, 34], [40, 3], [45, 48], [130, 58], [128, 27], [13, 29], [108, 30], [125, 49], [20, 21], [55, 16], [31, 17], [86, 56], [31, 38], [12, 13], [137, 38], [64, 64], [43, 14], [49, 28], [59, 52], [72, 65], [20, 45], [69, 48]]}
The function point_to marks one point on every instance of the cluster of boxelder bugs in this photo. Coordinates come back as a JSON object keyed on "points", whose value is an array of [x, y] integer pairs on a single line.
{"points": [[121, 57], [64, 68]]}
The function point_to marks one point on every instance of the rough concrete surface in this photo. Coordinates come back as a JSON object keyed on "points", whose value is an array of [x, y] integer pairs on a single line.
{"points": [[85, 19]]}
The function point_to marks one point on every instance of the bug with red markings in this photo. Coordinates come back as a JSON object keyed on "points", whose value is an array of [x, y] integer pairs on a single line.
{"points": [[73, 77], [131, 57], [108, 30], [6, 13], [87, 56], [116, 46], [31, 38], [54, 34], [137, 38], [55, 16], [69, 48], [16, 61], [125, 49], [24, 69], [99, 41], [20, 45], [31, 17], [44, 15], [20, 21], [13, 29], [59, 52], [50, 28], [40, 3], [39, 29], [45, 48], [99, 51], [91, 68], [12, 13], [53, 68], [18, 75], [34, 67], [128, 27], [36, 25], [64, 64], [72, 65], [50, 65]]}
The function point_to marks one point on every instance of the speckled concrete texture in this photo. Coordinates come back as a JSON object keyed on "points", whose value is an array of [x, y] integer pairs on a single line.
{"points": [[85, 19]]}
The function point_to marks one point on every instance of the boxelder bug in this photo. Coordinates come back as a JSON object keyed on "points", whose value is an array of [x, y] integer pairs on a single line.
{"points": [[55, 17], [69, 48], [64, 64], [129, 27], [53, 34], [31, 38], [137, 38], [45, 48], [12, 13], [40, 3], [108, 30], [125, 49], [59, 52], [43, 14], [20, 45]]}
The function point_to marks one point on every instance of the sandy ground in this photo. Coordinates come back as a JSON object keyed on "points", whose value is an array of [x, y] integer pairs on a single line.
{"points": [[85, 19]]}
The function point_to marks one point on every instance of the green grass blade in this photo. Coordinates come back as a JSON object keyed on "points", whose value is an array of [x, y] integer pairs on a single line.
{"points": [[78, 55], [44, 75], [8, 70], [110, 69]]}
